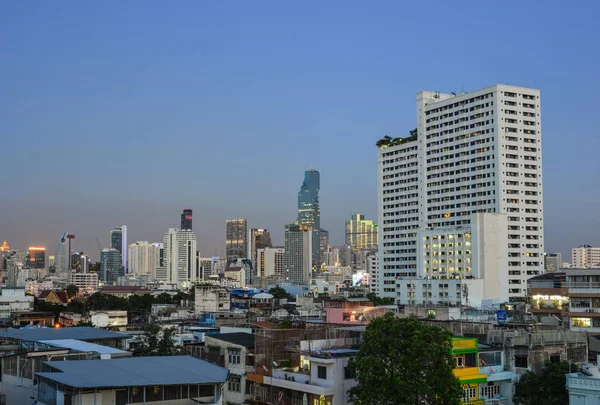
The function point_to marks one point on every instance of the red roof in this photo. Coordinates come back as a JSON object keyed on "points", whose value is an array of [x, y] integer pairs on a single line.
{"points": [[264, 324], [62, 295]]}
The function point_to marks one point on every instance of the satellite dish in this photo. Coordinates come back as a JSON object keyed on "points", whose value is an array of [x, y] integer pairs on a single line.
{"points": [[275, 364]]}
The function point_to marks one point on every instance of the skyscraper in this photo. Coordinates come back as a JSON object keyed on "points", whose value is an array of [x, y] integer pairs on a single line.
{"points": [[309, 214], [118, 241], [472, 153], [143, 257], [258, 239], [186, 219], [111, 267], [361, 233], [270, 262], [236, 242], [36, 257], [63, 256], [298, 253], [180, 257]]}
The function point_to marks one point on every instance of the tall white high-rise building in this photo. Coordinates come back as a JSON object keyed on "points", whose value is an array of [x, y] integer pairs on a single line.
{"points": [[298, 253], [180, 256], [471, 152], [270, 262], [143, 258], [585, 257]]}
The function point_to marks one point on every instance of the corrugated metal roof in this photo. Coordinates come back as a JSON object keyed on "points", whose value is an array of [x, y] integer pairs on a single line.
{"points": [[81, 346], [135, 371], [79, 333]]}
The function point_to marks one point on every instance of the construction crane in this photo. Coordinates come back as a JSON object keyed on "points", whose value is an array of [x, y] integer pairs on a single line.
{"points": [[98, 243]]}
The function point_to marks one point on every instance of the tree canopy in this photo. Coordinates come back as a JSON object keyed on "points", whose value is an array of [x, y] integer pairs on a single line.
{"points": [[546, 387], [72, 290], [156, 342], [405, 361], [279, 293], [379, 301]]}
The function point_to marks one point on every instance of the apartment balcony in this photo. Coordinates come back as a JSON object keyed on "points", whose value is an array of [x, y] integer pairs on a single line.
{"points": [[300, 382], [496, 401]]}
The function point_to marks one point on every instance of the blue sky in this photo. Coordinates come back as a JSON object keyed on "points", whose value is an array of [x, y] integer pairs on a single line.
{"points": [[127, 112]]}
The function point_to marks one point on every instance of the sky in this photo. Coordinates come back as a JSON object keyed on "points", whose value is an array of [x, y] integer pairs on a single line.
{"points": [[127, 112]]}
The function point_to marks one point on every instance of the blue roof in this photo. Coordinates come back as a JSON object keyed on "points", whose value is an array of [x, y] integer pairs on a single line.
{"points": [[135, 371], [81, 346], [78, 333]]}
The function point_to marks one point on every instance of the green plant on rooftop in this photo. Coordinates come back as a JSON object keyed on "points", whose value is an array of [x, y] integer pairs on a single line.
{"points": [[388, 141], [404, 361], [379, 301]]}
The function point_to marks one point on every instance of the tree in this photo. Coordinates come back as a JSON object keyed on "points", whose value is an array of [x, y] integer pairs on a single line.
{"points": [[546, 387], [156, 342], [279, 293], [72, 290], [379, 301], [404, 361]]}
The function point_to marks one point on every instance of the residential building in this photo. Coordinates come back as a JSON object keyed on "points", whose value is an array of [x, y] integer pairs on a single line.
{"points": [[298, 253], [186, 219], [111, 267], [309, 214], [236, 239], [35, 287], [583, 384], [87, 283], [585, 257], [471, 153], [143, 257], [158, 379], [235, 277], [104, 319], [36, 257], [180, 257], [118, 241], [270, 262], [234, 351], [211, 298], [258, 238], [373, 271], [553, 262], [13, 268], [361, 233], [12, 301], [125, 291]]}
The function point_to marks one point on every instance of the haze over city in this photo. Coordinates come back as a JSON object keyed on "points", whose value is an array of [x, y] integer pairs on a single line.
{"points": [[128, 114]]}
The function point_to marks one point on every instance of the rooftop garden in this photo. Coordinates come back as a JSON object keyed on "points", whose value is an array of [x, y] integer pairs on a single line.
{"points": [[388, 141]]}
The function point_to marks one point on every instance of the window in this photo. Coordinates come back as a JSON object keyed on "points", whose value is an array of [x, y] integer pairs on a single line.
{"points": [[322, 372], [490, 391], [234, 383], [469, 393], [555, 358], [235, 356], [581, 322], [349, 373], [521, 361], [459, 361], [487, 359]]}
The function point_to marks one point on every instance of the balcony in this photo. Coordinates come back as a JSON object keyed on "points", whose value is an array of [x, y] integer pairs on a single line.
{"points": [[496, 401]]}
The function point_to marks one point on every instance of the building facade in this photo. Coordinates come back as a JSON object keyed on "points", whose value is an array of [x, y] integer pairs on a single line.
{"points": [[258, 238], [143, 257], [309, 214], [36, 257], [585, 257], [473, 152], [553, 262], [298, 253], [111, 267], [236, 239], [180, 257], [361, 233], [186, 219], [118, 241], [270, 262]]}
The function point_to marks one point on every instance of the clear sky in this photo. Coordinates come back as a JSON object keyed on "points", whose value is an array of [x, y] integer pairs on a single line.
{"points": [[129, 111]]}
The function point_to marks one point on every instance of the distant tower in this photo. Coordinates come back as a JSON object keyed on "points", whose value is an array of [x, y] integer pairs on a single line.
{"points": [[186, 219], [236, 239], [118, 241], [309, 214]]}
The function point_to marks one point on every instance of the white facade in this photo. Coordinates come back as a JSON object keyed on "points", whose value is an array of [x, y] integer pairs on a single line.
{"points": [[211, 298], [14, 300], [143, 258], [103, 319], [298, 253], [86, 282], [585, 257], [584, 387], [475, 152], [180, 257], [270, 262], [35, 287], [373, 271]]}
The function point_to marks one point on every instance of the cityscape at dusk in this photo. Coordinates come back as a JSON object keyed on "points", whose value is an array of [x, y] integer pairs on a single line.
{"points": [[278, 203]]}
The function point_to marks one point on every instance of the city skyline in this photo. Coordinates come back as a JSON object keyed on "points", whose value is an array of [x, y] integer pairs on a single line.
{"points": [[341, 85]]}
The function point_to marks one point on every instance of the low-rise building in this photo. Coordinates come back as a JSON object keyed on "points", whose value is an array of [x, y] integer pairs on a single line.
{"points": [[70, 319], [211, 298], [54, 297], [12, 301], [103, 319], [159, 379], [584, 385], [125, 291], [86, 282], [35, 287]]}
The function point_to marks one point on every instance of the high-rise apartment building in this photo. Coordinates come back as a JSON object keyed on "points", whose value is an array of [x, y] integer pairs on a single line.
{"points": [[270, 262], [36, 257], [186, 219], [118, 241], [298, 253], [309, 214], [236, 239], [144, 258], [471, 153], [180, 257], [258, 238], [361, 233], [585, 257], [111, 267]]}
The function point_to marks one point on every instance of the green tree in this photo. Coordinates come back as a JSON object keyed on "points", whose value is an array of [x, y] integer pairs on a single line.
{"points": [[279, 293], [379, 301], [404, 361], [546, 387], [72, 290], [156, 342]]}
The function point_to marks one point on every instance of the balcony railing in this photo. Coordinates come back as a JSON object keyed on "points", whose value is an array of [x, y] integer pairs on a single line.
{"points": [[496, 401]]}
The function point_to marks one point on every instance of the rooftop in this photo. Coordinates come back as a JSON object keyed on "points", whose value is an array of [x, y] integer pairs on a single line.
{"points": [[238, 338], [135, 371], [82, 346], [78, 333]]}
